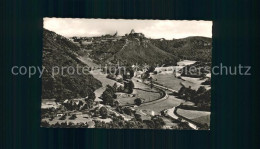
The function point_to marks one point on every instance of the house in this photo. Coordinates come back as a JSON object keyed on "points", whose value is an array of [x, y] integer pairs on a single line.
{"points": [[60, 114]]}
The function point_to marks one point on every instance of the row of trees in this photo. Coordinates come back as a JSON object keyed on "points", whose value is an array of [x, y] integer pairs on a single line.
{"points": [[156, 122], [65, 125], [109, 95], [201, 97]]}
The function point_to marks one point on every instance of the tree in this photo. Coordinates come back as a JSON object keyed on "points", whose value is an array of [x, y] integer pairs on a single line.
{"points": [[181, 92], [186, 93], [45, 124], [145, 76], [120, 89], [63, 117], [129, 86], [151, 83], [151, 69], [201, 90], [73, 117], [203, 100], [158, 122], [120, 80], [109, 95], [91, 96], [183, 126], [116, 103], [128, 111], [138, 101], [204, 127], [103, 112], [115, 86], [138, 117], [111, 89], [107, 99], [149, 123], [129, 73]]}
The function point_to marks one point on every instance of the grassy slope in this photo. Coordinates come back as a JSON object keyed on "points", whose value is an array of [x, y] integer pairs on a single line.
{"points": [[192, 114], [202, 119], [150, 54]]}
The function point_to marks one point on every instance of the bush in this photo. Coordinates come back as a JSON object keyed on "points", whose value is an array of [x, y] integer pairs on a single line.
{"points": [[63, 117], [183, 126], [201, 97], [158, 122], [103, 112], [45, 124], [207, 82], [138, 101], [73, 117], [128, 87], [149, 123], [201, 90], [109, 95], [120, 80], [186, 93], [128, 111], [120, 89]]}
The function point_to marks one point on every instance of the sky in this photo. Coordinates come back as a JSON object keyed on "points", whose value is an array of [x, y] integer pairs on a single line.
{"points": [[155, 29]]}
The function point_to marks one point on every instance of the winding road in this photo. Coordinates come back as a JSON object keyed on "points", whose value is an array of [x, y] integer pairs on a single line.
{"points": [[97, 73]]}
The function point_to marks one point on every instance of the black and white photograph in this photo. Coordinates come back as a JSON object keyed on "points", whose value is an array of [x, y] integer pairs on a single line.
{"points": [[126, 74]]}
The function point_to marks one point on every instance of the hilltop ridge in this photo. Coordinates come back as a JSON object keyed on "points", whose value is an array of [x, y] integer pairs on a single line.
{"points": [[136, 48]]}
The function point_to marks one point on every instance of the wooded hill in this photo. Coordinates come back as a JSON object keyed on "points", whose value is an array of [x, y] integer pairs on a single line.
{"points": [[59, 51], [136, 48]]}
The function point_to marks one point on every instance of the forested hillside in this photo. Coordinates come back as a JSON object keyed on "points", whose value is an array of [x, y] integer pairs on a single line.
{"points": [[59, 52], [191, 48]]}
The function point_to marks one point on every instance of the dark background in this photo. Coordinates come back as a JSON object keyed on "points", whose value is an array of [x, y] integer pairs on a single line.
{"points": [[235, 100]]}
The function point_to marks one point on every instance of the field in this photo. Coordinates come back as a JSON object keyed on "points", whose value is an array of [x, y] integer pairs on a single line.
{"points": [[185, 62], [196, 82], [200, 116], [202, 119], [147, 96], [142, 91], [170, 81], [163, 105]]}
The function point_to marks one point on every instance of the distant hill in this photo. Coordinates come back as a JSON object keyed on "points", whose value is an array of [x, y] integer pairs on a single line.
{"points": [[192, 48], [129, 49], [141, 52], [59, 51]]}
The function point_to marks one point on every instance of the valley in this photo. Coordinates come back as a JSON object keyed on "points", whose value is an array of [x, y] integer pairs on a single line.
{"points": [[154, 95]]}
